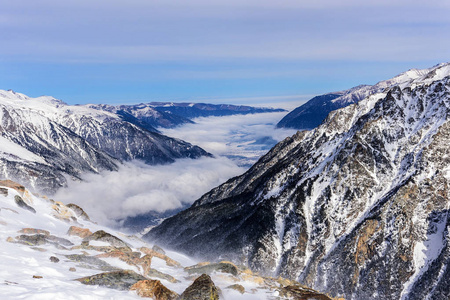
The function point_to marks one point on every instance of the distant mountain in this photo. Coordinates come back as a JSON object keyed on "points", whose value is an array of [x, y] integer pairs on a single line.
{"points": [[144, 115], [171, 114], [44, 140], [358, 207], [195, 110], [312, 113]]}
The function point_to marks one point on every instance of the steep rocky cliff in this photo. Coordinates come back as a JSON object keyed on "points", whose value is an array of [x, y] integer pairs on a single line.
{"points": [[357, 207]]}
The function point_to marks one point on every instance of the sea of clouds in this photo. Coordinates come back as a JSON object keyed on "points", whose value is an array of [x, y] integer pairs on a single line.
{"points": [[137, 188]]}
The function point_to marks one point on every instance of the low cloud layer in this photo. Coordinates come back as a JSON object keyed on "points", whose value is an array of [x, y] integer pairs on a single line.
{"points": [[138, 188], [233, 135]]}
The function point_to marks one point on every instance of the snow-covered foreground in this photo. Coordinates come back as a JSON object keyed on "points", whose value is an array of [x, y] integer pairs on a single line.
{"points": [[20, 261]]}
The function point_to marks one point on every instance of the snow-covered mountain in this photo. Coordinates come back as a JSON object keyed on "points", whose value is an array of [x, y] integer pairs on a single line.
{"points": [[52, 250], [195, 110], [172, 114], [44, 140], [312, 113], [357, 207]]}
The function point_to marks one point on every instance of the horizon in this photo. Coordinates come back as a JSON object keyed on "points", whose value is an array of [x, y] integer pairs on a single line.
{"points": [[173, 51]]}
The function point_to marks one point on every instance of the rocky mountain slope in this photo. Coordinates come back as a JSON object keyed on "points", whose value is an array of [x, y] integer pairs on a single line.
{"points": [[357, 207], [44, 141], [50, 250], [312, 113]]}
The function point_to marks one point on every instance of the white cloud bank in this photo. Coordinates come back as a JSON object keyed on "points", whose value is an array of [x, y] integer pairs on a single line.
{"points": [[138, 188], [233, 135]]}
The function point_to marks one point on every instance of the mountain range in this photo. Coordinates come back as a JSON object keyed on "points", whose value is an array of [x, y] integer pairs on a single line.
{"points": [[313, 113], [358, 206], [172, 114], [44, 141]]}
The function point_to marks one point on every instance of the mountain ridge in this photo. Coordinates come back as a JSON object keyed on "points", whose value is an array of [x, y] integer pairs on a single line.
{"points": [[362, 195], [313, 112]]}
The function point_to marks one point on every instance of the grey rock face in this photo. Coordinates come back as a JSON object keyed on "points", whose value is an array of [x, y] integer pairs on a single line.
{"points": [[357, 207]]}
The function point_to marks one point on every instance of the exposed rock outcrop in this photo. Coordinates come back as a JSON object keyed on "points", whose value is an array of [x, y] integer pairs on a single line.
{"points": [[153, 289], [203, 288]]}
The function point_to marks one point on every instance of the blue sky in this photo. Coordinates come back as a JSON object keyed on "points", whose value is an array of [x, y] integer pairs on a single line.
{"points": [[150, 50]]}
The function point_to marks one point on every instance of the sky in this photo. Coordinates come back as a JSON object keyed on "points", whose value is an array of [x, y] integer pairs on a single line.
{"points": [[213, 51]]}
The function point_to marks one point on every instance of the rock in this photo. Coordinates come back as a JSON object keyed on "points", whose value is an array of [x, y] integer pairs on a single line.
{"points": [[108, 238], [153, 289], [146, 262], [119, 280], [14, 185], [203, 288], [131, 258], [225, 267], [41, 239], [19, 201], [302, 293], [158, 249], [4, 192], [34, 231], [170, 262], [63, 213], [155, 273], [72, 269], [237, 287], [37, 277], [39, 249], [77, 231], [54, 259], [79, 211], [32, 240], [91, 262]]}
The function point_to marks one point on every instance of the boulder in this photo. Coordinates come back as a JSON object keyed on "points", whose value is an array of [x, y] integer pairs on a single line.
{"points": [[131, 258], [79, 212], [119, 280], [63, 213], [237, 287], [152, 273], [153, 289], [302, 293], [54, 259], [203, 288], [19, 201], [34, 231], [32, 240], [77, 231], [108, 238], [158, 249], [91, 262], [224, 267], [13, 185], [169, 261], [4, 192]]}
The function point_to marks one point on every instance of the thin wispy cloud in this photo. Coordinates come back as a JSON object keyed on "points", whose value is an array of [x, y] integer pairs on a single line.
{"points": [[164, 49]]}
